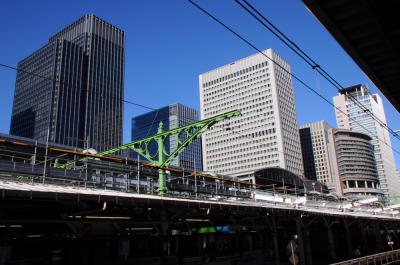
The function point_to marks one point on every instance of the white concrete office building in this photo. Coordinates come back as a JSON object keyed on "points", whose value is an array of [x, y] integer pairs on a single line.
{"points": [[266, 134], [356, 119]]}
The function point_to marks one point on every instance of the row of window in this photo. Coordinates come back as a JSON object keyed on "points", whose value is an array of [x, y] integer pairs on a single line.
{"points": [[235, 74]]}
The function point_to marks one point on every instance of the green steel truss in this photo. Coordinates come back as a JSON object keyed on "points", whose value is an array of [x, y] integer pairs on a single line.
{"points": [[185, 136]]}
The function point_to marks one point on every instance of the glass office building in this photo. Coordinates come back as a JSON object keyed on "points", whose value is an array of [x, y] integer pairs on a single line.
{"points": [[172, 116], [73, 87], [349, 115]]}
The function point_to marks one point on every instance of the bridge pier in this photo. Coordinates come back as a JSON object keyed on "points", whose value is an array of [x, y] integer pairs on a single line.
{"points": [[363, 227], [275, 240], [164, 237], [300, 232], [349, 241], [378, 236], [331, 241], [123, 249], [395, 237], [160, 230]]}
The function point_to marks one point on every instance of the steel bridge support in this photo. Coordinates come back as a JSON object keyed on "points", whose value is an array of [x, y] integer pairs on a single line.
{"points": [[185, 136]]}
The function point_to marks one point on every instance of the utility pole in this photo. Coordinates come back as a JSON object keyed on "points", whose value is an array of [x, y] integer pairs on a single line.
{"points": [[138, 174], [195, 177], [86, 164], [46, 153]]}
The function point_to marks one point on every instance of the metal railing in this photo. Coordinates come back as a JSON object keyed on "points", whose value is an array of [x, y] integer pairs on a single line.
{"points": [[390, 257], [142, 181]]}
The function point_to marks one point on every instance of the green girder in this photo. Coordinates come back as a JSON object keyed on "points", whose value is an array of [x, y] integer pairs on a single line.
{"points": [[161, 159]]}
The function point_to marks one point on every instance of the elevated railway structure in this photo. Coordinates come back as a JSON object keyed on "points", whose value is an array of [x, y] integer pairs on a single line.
{"points": [[60, 205], [106, 210]]}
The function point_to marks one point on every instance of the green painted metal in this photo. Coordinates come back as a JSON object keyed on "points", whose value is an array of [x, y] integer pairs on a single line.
{"points": [[185, 136]]}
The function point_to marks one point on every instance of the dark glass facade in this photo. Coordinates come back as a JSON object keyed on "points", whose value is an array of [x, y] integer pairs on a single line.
{"points": [[308, 154], [172, 116], [80, 100]]}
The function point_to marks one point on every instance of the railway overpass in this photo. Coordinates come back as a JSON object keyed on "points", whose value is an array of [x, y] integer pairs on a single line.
{"points": [[64, 224], [105, 211]]}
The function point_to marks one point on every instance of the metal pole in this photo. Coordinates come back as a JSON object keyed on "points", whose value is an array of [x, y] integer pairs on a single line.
{"points": [[45, 156], [34, 161], [138, 174], [35, 154], [195, 177], [127, 175], [86, 165], [162, 178]]}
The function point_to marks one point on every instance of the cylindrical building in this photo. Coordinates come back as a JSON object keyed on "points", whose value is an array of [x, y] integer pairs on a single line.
{"points": [[356, 165]]}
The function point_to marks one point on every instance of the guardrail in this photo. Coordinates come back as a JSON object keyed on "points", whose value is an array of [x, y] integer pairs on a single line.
{"points": [[390, 257]]}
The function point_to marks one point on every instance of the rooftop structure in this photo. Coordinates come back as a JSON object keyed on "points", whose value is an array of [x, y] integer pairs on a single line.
{"points": [[369, 31]]}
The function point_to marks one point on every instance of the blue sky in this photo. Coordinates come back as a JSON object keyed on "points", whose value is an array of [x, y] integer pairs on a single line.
{"points": [[169, 43]]}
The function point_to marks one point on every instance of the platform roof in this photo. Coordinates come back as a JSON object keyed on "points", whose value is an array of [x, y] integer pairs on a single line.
{"points": [[369, 31]]}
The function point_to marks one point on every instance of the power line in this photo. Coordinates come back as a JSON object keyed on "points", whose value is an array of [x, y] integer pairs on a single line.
{"points": [[152, 123], [18, 69], [283, 68], [295, 48]]}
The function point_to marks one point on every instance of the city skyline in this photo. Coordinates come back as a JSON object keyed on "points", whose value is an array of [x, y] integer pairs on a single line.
{"points": [[340, 158], [306, 112]]}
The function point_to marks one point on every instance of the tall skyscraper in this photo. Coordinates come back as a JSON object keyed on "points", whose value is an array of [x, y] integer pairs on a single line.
{"points": [[80, 99], [356, 119], [266, 134], [314, 147], [172, 116]]}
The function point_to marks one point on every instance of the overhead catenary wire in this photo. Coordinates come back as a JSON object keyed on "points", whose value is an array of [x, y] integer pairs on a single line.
{"points": [[18, 69], [314, 65], [284, 69], [150, 108]]}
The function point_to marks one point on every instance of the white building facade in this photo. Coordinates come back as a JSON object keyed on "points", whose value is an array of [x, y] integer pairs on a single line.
{"points": [[266, 134], [356, 119]]}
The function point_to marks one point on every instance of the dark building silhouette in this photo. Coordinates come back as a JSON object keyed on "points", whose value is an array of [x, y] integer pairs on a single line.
{"points": [[73, 87], [308, 153]]}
